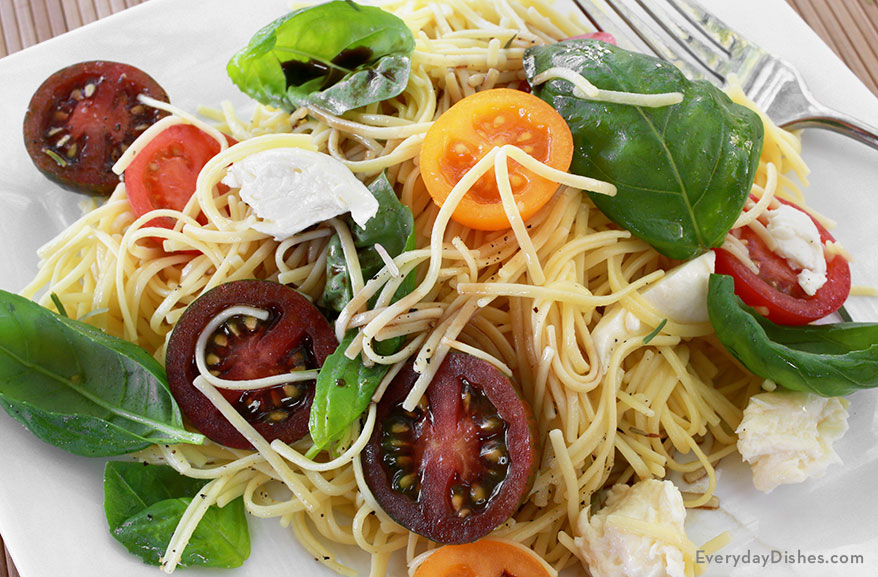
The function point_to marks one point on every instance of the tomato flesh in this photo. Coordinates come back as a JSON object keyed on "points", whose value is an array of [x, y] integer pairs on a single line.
{"points": [[474, 126], [459, 464], [295, 336], [164, 173], [83, 117], [775, 290]]}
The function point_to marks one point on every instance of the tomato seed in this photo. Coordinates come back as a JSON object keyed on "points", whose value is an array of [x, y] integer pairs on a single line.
{"points": [[400, 427], [71, 152], [499, 120], [76, 94], [212, 359], [63, 140], [221, 340], [89, 90], [478, 494], [493, 452], [277, 416], [251, 322]]}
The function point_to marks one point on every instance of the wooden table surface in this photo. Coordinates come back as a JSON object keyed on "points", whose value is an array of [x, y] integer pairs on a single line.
{"points": [[849, 27]]}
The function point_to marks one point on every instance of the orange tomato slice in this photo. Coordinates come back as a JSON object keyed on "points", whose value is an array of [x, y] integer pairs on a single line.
{"points": [[485, 558], [470, 129]]}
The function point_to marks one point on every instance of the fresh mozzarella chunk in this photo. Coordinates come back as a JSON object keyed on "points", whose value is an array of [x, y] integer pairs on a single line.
{"points": [[798, 241], [291, 189], [787, 436], [638, 533], [679, 296]]}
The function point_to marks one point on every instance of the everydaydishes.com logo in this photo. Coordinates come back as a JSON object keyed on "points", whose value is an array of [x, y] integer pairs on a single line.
{"points": [[776, 557]]}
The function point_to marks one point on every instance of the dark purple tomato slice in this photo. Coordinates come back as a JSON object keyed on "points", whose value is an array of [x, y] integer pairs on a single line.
{"points": [[294, 337], [83, 117], [462, 462]]}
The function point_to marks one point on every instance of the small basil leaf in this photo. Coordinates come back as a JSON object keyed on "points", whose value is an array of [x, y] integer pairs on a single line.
{"points": [[345, 386], [336, 56], [144, 504], [683, 172], [80, 389], [343, 391], [830, 360], [391, 227]]}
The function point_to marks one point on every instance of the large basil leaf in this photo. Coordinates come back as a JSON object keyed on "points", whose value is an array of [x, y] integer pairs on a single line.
{"points": [[144, 504], [830, 360], [683, 172], [336, 56], [391, 227], [80, 389]]}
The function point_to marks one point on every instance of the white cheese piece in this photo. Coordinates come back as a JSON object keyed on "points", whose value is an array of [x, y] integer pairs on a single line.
{"points": [[679, 296], [610, 549], [798, 241], [291, 189], [787, 436]]}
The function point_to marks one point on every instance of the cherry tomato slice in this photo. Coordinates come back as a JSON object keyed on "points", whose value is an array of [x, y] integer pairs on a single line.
{"points": [[602, 36], [164, 173], [83, 117], [294, 337], [776, 287], [475, 125], [485, 558], [459, 464]]}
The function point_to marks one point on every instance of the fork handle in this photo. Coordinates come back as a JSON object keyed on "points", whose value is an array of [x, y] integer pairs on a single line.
{"points": [[828, 119]]}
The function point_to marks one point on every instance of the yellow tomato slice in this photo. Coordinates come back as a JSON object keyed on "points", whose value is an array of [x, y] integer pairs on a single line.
{"points": [[485, 558], [473, 127]]}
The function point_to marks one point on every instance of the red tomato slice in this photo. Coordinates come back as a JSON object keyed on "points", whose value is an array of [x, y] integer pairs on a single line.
{"points": [[83, 117], [295, 336], [163, 174], [602, 36], [776, 288], [461, 463]]}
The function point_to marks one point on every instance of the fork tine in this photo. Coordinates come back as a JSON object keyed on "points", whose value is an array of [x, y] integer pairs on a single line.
{"points": [[707, 55], [740, 54], [645, 26]]}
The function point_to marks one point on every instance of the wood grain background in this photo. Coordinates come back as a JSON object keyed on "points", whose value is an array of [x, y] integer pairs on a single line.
{"points": [[849, 27]]}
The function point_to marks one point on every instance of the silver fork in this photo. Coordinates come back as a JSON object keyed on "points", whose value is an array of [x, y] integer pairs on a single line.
{"points": [[703, 47]]}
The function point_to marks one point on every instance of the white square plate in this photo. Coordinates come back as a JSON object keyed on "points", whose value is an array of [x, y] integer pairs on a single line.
{"points": [[51, 503]]}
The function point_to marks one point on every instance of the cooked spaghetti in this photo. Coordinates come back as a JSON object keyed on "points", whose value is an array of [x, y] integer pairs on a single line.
{"points": [[524, 299]]}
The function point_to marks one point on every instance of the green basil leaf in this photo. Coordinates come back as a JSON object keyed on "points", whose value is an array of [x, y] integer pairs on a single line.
{"points": [[391, 227], [830, 360], [144, 504], [343, 391], [80, 389], [345, 386], [336, 56], [683, 172]]}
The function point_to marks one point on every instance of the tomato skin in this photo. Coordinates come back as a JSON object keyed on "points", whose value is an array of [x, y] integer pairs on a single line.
{"points": [[470, 129], [294, 323], [447, 452], [164, 173], [85, 115], [776, 287], [602, 36], [485, 558]]}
